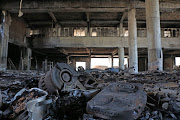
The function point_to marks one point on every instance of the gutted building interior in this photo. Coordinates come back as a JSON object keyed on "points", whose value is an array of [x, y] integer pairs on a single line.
{"points": [[108, 50]]}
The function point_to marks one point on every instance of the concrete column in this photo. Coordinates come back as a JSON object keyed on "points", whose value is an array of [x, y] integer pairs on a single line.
{"points": [[146, 63], [121, 29], [88, 29], [29, 55], [132, 28], [23, 59], [89, 60], [4, 38], [68, 61], [112, 62], [89, 66], [26, 62], [153, 35], [22, 64], [121, 57], [46, 65], [36, 63]]}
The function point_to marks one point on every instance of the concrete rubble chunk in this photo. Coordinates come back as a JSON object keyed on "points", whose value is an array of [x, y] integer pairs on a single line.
{"points": [[165, 106], [118, 100]]}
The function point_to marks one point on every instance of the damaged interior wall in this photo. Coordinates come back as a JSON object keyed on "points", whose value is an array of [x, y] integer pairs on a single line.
{"points": [[17, 31]]}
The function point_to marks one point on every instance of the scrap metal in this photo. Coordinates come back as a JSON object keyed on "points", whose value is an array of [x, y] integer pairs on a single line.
{"points": [[71, 91], [61, 77]]}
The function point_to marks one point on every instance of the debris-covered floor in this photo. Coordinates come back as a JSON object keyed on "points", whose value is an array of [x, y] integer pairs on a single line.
{"points": [[66, 94]]}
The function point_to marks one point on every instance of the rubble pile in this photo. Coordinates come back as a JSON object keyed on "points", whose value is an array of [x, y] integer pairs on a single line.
{"points": [[164, 101], [18, 80], [66, 94], [67, 106], [162, 88], [19, 104], [11, 83]]}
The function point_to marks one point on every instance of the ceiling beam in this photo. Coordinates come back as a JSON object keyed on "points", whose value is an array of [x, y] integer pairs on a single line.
{"points": [[123, 16], [62, 50], [87, 17], [162, 21], [51, 14], [75, 22], [78, 6], [105, 22], [38, 52], [115, 52], [88, 24], [87, 54], [88, 50], [65, 10], [98, 22], [62, 22]]}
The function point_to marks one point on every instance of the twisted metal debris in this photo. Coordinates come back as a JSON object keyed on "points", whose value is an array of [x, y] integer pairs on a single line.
{"points": [[74, 91]]}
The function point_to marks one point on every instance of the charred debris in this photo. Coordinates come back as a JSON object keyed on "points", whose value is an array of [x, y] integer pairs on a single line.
{"points": [[66, 94]]}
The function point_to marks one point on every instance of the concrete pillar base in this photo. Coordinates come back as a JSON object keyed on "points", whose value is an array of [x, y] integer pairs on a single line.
{"points": [[155, 60], [4, 38], [121, 58], [29, 55], [26, 63], [112, 61]]}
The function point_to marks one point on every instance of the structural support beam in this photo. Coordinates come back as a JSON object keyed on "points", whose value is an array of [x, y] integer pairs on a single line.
{"points": [[121, 23], [88, 24], [45, 65], [77, 6], [28, 60], [68, 59], [112, 61], [154, 35], [4, 38], [62, 50], [132, 27], [121, 57], [51, 14], [89, 65], [121, 29], [97, 22], [97, 42], [123, 16], [115, 52]]}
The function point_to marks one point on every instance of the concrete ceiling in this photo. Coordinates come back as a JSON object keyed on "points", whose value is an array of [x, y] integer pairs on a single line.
{"points": [[100, 13]]}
